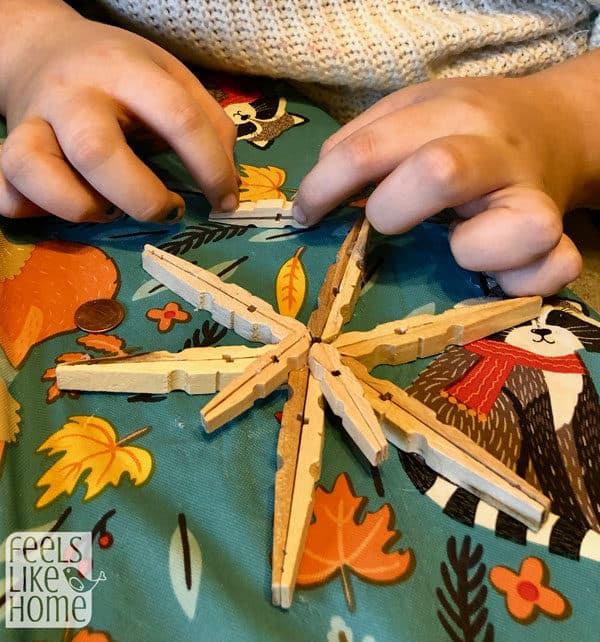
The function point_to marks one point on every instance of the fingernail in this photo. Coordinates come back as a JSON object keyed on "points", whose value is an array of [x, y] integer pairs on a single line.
{"points": [[112, 212], [299, 215], [175, 215], [228, 203]]}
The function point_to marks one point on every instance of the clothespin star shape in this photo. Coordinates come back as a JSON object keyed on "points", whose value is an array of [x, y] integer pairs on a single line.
{"points": [[320, 364]]}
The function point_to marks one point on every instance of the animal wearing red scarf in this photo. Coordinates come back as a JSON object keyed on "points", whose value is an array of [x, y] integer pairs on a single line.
{"points": [[527, 397]]}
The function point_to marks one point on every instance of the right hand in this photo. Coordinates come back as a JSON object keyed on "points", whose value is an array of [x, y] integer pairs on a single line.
{"points": [[72, 94], [505, 153]]}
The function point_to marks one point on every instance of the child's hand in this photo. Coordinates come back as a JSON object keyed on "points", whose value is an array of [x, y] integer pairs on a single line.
{"points": [[502, 152], [69, 97]]}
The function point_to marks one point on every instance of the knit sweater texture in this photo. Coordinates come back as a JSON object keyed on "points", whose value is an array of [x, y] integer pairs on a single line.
{"points": [[346, 54]]}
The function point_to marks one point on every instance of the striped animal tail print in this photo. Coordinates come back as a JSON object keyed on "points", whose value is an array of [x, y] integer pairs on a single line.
{"points": [[559, 535]]}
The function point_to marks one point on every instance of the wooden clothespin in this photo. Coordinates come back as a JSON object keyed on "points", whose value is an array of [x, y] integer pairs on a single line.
{"points": [[346, 399], [421, 336], [259, 379], [299, 451], [229, 304], [336, 301], [197, 371], [302, 427], [273, 212], [232, 306], [413, 427], [342, 285]]}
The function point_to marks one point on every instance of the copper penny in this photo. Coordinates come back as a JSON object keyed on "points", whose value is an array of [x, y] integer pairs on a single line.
{"points": [[99, 315]]}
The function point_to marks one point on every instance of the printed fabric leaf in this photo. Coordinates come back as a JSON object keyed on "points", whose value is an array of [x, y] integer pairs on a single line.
{"points": [[104, 343], [13, 257], [148, 288], [9, 417], [338, 543], [227, 269], [270, 236], [290, 285], [54, 392], [2, 592], [428, 308], [261, 182], [463, 594], [89, 635], [196, 235], [90, 444], [185, 567], [369, 284]]}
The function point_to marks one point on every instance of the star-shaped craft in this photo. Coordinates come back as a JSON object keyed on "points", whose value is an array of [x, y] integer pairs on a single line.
{"points": [[318, 362]]}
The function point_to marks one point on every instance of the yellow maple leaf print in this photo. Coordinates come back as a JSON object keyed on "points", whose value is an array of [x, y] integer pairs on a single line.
{"points": [[261, 182], [13, 257], [9, 417], [90, 444]]}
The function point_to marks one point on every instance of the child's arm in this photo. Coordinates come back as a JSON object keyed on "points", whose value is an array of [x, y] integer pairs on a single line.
{"points": [[70, 88], [510, 155]]}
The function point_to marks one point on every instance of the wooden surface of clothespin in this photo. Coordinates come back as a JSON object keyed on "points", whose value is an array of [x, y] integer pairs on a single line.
{"points": [[259, 379], [345, 397], [270, 213], [230, 305], [421, 336], [197, 371], [299, 451], [342, 285]]}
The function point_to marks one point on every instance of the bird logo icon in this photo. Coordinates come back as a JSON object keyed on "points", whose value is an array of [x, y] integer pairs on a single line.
{"points": [[80, 583]]}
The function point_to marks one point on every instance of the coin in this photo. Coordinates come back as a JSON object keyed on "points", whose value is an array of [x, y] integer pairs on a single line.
{"points": [[99, 315]]}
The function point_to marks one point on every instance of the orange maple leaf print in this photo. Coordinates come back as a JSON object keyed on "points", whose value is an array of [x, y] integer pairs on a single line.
{"points": [[89, 635], [337, 543]]}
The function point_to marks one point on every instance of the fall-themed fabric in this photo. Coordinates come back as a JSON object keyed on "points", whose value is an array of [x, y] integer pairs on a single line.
{"points": [[480, 387], [181, 521]]}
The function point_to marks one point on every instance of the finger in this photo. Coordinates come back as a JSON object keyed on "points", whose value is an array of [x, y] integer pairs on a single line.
{"points": [[367, 155], [442, 173], [221, 123], [15, 205], [521, 225], [95, 145], [168, 109], [392, 103], [12, 203], [34, 166], [547, 275]]}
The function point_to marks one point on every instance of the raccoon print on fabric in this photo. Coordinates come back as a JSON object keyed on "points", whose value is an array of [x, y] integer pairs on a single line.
{"points": [[526, 396], [259, 119]]}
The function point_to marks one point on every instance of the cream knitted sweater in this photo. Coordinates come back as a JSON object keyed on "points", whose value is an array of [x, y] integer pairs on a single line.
{"points": [[346, 54]]}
